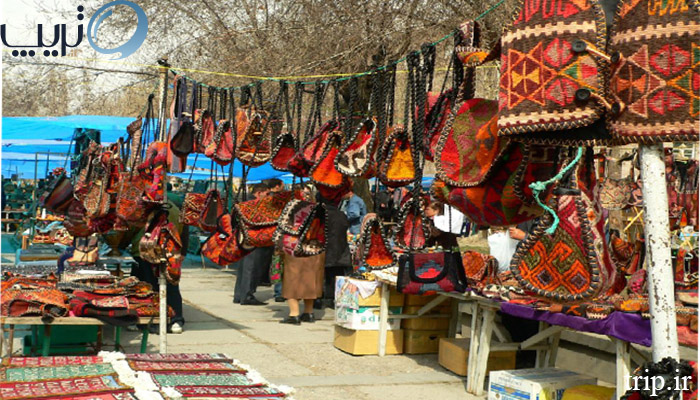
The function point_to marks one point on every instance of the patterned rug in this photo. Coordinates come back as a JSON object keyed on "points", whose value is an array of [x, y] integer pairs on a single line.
{"points": [[228, 391], [100, 396], [179, 357], [61, 388], [28, 374], [53, 361], [202, 380], [180, 366]]}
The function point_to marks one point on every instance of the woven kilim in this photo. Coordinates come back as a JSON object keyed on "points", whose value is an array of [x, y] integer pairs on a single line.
{"points": [[495, 202], [180, 357], [541, 73], [61, 388], [27, 374], [573, 263], [265, 211], [53, 361], [254, 136], [202, 380], [228, 391], [100, 396], [470, 144], [180, 366], [657, 79]]}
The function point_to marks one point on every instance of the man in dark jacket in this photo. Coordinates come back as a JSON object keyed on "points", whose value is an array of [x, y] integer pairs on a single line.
{"points": [[338, 259]]}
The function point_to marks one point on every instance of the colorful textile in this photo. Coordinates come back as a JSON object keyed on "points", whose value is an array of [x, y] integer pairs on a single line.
{"points": [[51, 361], [573, 263], [438, 106], [25, 374], [430, 273], [202, 379], [470, 144], [374, 250], [264, 211], [254, 135], [396, 164], [283, 152], [100, 396], [479, 269], [302, 231], [182, 366], [655, 85], [545, 84], [61, 388], [228, 391], [499, 201], [413, 230], [357, 157], [324, 172], [19, 303]]}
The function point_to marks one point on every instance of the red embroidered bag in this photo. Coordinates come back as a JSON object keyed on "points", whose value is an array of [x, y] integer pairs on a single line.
{"points": [[396, 164], [283, 152], [357, 157]]}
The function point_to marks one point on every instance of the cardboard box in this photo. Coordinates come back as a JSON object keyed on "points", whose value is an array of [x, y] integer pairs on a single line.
{"points": [[416, 300], [347, 294], [422, 342], [425, 323], [365, 318], [366, 342], [454, 354], [534, 384]]}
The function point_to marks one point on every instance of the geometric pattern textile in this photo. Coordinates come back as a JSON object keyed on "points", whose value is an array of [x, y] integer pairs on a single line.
{"points": [[61, 388], [28, 374], [179, 357], [545, 84], [656, 81], [202, 379], [53, 361], [573, 263], [228, 391], [180, 366]]}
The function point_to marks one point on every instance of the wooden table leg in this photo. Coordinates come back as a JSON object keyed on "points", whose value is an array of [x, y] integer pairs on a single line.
{"points": [[473, 346], [484, 350], [550, 358], [47, 341], [383, 319], [117, 338], [100, 331], [454, 319], [623, 366]]}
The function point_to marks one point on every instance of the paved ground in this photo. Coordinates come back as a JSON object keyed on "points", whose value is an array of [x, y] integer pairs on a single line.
{"points": [[299, 356]]}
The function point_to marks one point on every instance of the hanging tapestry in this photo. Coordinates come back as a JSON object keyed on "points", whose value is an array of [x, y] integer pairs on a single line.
{"points": [[357, 157], [61, 388], [549, 82], [25, 374], [283, 152], [573, 262], [655, 74], [396, 164]]}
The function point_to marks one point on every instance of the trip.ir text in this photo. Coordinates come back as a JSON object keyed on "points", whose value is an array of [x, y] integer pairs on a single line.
{"points": [[656, 384]]}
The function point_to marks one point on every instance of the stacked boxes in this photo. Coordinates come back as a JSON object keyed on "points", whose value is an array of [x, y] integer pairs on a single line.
{"points": [[422, 335]]}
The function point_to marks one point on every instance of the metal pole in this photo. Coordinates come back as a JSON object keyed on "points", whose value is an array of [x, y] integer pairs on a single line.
{"points": [[36, 176], [162, 284], [660, 284]]}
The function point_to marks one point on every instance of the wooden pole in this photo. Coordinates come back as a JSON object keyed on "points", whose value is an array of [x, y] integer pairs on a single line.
{"points": [[664, 335], [162, 284]]}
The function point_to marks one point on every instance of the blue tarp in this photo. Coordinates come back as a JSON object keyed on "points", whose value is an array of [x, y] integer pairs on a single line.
{"points": [[22, 137]]}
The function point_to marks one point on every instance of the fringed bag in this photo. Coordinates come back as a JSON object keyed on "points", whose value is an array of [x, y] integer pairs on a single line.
{"points": [[413, 230], [569, 260], [357, 156], [396, 164], [283, 152]]}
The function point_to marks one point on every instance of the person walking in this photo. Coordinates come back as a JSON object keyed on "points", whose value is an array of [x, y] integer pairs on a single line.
{"points": [[355, 209]]}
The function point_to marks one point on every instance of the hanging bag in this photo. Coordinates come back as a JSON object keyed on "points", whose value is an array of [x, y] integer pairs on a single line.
{"points": [[257, 218], [568, 260], [324, 172], [302, 229], [429, 273], [397, 166], [373, 247], [161, 244], [356, 158]]}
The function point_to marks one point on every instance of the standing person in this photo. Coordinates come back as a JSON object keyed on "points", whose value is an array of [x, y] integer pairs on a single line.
{"points": [[145, 271], [338, 259], [355, 209], [252, 266], [274, 185], [302, 279], [438, 237]]}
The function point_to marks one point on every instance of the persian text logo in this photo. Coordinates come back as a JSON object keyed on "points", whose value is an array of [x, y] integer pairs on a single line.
{"points": [[60, 34]]}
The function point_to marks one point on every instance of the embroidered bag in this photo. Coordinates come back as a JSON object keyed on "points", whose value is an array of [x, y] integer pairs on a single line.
{"points": [[654, 73], [439, 110], [549, 83], [130, 206], [573, 262], [373, 248], [57, 198], [152, 171], [430, 273], [161, 244], [221, 149], [76, 224], [257, 219], [413, 229], [357, 155], [311, 152], [479, 269], [203, 130], [214, 245], [283, 152], [212, 210], [324, 172], [396, 164], [192, 208], [254, 137], [182, 144]]}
